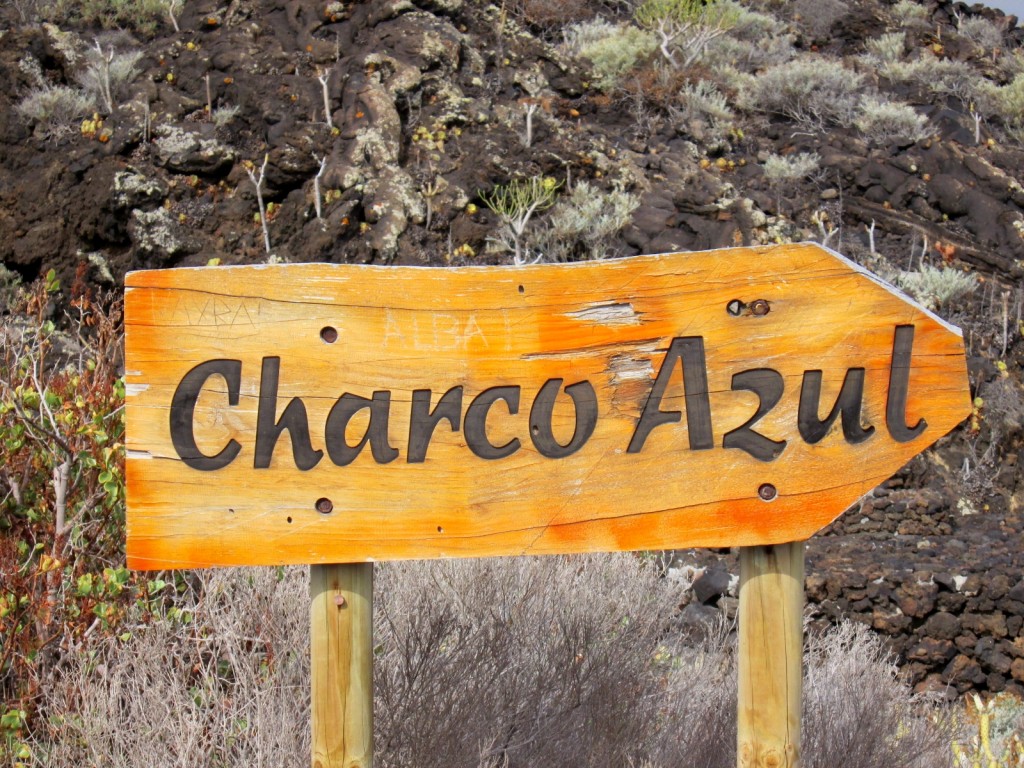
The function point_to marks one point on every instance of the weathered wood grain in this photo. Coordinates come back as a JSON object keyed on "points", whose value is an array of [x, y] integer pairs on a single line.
{"points": [[770, 630], [610, 323], [341, 665]]}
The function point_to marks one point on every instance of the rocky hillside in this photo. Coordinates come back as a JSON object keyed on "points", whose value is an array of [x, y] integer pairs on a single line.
{"points": [[153, 134]]}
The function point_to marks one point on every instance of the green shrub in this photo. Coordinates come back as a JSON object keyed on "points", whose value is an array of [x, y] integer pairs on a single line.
{"points": [[997, 740], [515, 204], [686, 27], [612, 49]]}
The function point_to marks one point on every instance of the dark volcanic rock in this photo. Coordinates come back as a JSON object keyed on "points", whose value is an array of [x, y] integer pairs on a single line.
{"points": [[711, 585]]}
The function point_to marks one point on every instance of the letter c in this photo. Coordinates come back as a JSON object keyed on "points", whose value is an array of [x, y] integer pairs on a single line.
{"points": [[183, 406]]}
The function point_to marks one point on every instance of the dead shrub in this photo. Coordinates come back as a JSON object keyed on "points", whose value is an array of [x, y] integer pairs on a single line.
{"points": [[517, 662], [222, 680], [858, 713]]}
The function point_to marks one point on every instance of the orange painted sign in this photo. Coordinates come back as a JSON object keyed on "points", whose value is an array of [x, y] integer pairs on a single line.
{"points": [[316, 413]]}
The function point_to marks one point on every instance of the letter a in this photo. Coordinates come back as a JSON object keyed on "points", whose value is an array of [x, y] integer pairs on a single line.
{"points": [[690, 352]]}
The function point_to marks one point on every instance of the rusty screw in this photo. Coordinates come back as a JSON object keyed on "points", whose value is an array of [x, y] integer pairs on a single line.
{"points": [[329, 334], [767, 491], [760, 307], [324, 506]]}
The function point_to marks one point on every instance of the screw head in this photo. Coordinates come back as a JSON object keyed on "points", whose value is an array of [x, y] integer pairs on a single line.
{"points": [[760, 307], [767, 491], [324, 506]]}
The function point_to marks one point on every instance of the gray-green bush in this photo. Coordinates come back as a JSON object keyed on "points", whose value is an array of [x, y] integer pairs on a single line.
{"points": [[937, 287], [107, 74], [816, 17], [612, 49], [754, 41], [910, 15], [784, 169], [882, 121], [985, 35], [813, 92], [54, 109], [582, 224]]}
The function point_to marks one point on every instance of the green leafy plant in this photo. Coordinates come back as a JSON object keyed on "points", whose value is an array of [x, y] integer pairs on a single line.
{"points": [[61, 489], [685, 27], [515, 204]]}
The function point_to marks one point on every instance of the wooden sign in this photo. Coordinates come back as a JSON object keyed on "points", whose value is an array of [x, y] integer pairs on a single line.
{"points": [[320, 413]]}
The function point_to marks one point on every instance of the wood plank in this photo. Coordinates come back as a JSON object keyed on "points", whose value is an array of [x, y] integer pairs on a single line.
{"points": [[770, 656], [341, 668], [489, 336]]}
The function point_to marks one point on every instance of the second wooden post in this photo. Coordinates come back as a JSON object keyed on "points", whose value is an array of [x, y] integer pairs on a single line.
{"points": [[341, 665], [770, 656]]}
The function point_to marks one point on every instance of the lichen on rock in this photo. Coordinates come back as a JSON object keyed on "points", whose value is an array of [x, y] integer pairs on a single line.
{"points": [[185, 151]]}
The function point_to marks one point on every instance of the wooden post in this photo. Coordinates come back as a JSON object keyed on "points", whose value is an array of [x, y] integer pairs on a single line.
{"points": [[341, 670], [771, 655]]}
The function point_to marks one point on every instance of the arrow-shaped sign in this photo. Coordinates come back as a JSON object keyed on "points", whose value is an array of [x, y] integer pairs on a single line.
{"points": [[322, 413]]}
